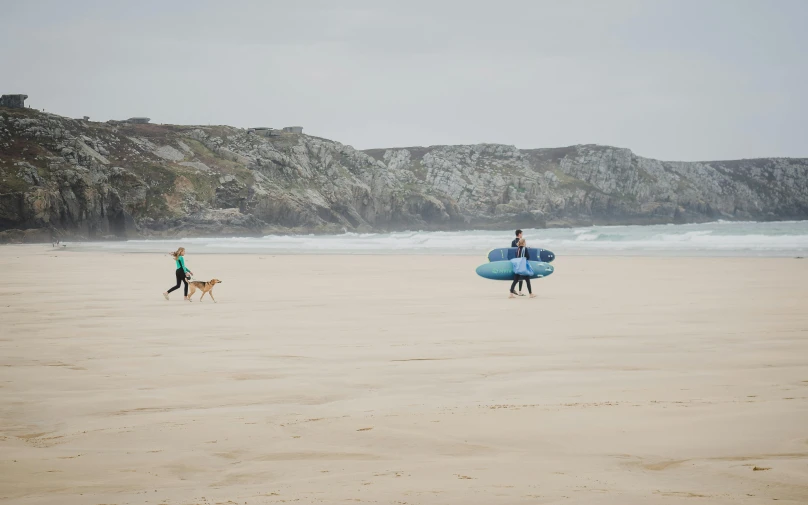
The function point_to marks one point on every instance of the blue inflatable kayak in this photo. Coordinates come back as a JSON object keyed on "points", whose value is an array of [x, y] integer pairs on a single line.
{"points": [[503, 270], [509, 253]]}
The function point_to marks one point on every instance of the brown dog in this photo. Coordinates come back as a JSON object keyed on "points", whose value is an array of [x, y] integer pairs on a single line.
{"points": [[206, 287]]}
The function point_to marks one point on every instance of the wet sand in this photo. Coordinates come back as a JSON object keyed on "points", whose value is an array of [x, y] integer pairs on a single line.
{"points": [[401, 379]]}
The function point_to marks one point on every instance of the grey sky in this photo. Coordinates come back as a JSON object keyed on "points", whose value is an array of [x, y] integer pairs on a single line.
{"points": [[674, 80]]}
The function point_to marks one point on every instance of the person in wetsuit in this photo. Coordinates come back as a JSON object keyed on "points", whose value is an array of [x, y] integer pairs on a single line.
{"points": [[515, 243], [182, 273], [521, 251]]}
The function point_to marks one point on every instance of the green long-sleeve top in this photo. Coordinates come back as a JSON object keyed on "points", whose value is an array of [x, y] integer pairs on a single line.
{"points": [[181, 263]]}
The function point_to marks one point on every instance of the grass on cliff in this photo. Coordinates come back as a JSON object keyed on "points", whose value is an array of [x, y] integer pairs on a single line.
{"points": [[157, 179], [204, 184], [215, 162], [568, 182], [15, 150], [10, 181], [645, 176], [419, 170]]}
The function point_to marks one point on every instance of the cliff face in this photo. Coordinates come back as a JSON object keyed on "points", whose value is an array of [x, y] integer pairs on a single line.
{"points": [[600, 184], [97, 180]]}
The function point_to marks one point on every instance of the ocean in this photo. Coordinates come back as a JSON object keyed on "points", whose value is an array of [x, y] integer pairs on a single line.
{"points": [[721, 238]]}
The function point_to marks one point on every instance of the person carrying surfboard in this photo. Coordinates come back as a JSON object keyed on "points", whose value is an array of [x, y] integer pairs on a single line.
{"points": [[521, 252], [515, 243]]}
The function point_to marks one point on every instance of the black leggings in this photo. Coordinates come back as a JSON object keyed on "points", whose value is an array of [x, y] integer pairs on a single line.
{"points": [[181, 278], [519, 278]]}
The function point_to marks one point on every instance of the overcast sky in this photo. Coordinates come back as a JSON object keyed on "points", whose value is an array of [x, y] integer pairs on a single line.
{"points": [[673, 80]]}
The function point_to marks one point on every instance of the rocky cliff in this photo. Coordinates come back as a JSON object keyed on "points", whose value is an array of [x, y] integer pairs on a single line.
{"points": [[81, 179]]}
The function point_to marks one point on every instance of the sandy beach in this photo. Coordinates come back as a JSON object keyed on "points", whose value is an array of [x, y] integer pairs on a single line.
{"points": [[401, 379]]}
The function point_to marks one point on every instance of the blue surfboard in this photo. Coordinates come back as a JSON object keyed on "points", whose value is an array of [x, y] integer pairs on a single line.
{"points": [[509, 253], [503, 270]]}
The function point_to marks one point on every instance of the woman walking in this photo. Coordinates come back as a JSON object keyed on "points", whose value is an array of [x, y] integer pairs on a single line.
{"points": [[522, 252], [183, 274]]}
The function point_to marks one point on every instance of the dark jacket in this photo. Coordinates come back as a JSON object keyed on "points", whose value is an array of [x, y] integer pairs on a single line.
{"points": [[526, 253]]}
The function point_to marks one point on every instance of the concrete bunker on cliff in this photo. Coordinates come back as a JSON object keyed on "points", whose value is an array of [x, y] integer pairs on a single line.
{"points": [[263, 131], [13, 101]]}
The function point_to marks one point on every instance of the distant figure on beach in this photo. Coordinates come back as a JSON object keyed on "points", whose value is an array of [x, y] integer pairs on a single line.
{"points": [[54, 235], [515, 243], [521, 252], [182, 272]]}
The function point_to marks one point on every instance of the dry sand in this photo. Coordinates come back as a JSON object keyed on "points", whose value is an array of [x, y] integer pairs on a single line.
{"points": [[407, 379]]}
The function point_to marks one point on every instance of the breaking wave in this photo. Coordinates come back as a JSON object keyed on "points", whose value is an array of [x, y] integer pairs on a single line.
{"points": [[708, 239]]}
